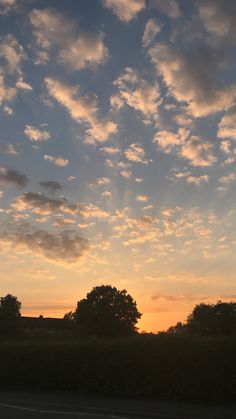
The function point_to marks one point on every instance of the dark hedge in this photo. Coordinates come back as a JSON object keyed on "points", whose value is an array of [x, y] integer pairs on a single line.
{"points": [[154, 367]]}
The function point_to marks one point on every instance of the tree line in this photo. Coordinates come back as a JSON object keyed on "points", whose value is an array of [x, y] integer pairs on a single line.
{"points": [[107, 312]]}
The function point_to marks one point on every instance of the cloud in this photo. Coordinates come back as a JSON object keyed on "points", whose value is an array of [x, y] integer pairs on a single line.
{"points": [[7, 5], [168, 7], [58, 161], [194, 77], [192, 148], [189, 178], [75, 51], [12, 54], [22, 85], [51, 185], [218, 17], [198, 151], [9, 176], [168, 140], [101, 181], [142, 198], [38, 203], [110, 150], [125, 10], [227, 124], [152, 28], [81, 109], [9, 149], [66, 246], [136, 154], [136, 93], [34, 134], [7, 94]]}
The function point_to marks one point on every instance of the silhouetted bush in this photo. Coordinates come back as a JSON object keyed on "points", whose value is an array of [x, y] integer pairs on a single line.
{"points": [[161, 367]]}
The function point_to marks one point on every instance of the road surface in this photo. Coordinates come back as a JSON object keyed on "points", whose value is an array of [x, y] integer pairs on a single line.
{"points": [[62, 406]]}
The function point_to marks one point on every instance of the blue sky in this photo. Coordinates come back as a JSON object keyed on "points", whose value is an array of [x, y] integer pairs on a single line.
{"points": [[117, 145]]}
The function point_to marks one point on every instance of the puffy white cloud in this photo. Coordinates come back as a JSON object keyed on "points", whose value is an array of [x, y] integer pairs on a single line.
{"points": [[35, 134], [136, 93], [81, 109], [9, 176], [135, 153], [53, 29], [65, 247], [125, 10], [152, 28], [58, 161], [193, 77], [169, 7], [101, 181]]}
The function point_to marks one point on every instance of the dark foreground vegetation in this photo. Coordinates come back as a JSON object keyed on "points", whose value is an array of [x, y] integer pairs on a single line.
{"points": [[96, 350], [162, 367]]}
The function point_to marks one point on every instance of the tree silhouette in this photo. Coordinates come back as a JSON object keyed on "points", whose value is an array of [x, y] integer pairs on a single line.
{"points": [[9, 314], [106, 312], [213, 319]]}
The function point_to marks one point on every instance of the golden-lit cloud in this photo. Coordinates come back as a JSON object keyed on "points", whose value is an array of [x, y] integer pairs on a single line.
{"points": [[75, 51], [192, 77], [82, 109], [152, 29], [58, 161], [136, 93], [125, 10], [35, 134]]}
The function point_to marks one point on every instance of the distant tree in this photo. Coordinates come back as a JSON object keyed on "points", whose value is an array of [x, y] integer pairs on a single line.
{"points": [[106, 312], [213, 319], [9, 314], [179, 327]]}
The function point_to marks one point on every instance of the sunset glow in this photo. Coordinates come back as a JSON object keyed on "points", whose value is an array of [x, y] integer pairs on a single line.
{"points": [[118, 151]]}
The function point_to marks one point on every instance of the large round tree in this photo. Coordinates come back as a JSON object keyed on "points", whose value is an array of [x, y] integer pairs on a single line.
{"points": [[106, 312]]}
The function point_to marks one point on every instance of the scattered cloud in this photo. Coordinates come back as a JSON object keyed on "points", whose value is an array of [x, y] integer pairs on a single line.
{"points": [[193, 77], [9, 176], [75, 51], [7, 6], [227, 124], [218, 17], [110, 150], [81, 109], [51, 185], [35, 134], [136, 154], [38, 203], [142, 198], [58, 161], [136, 93], [168, 7], [65, 247], [152, 29], [9, 149], [125, 10]]}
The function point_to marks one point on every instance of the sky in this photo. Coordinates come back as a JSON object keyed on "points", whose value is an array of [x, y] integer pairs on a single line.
{"points": [[117, 153]]}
